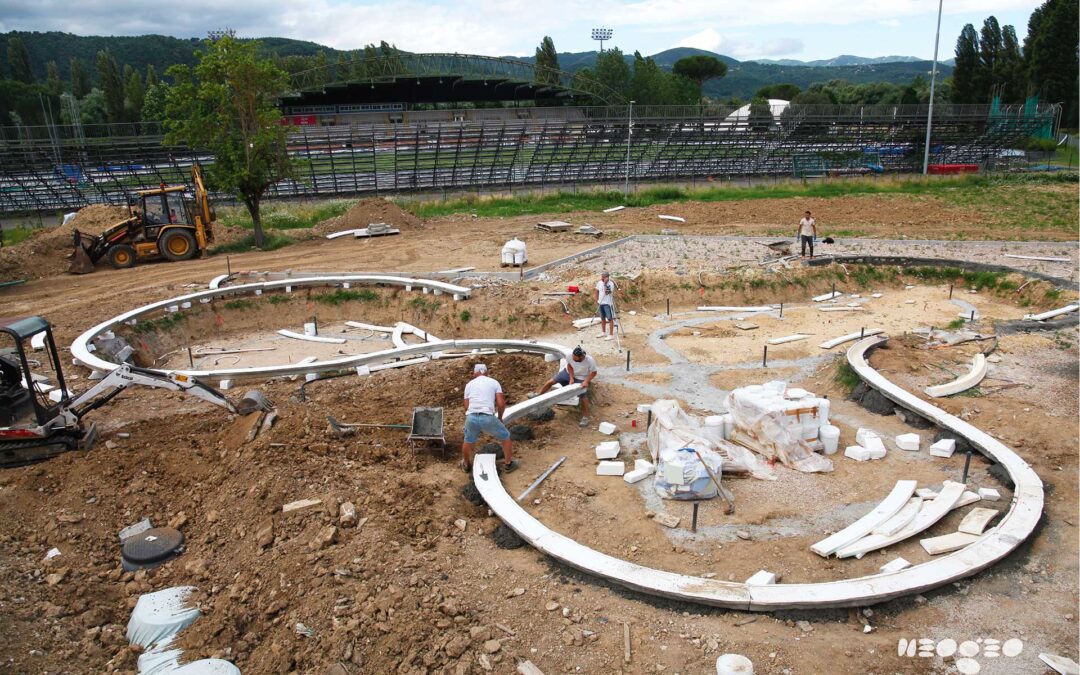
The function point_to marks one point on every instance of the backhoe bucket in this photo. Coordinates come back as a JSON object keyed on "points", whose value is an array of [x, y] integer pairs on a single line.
{"points": [[80, 260]]}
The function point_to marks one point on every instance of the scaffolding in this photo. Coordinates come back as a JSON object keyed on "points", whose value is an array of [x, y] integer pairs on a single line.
{"points": [[64, 167]]}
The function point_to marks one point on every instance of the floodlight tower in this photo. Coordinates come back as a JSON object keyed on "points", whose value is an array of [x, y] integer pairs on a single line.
{"points": [[602, 34]]}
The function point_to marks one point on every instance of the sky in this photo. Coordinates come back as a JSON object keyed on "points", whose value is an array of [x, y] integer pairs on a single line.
{"points": [[770, 29]]}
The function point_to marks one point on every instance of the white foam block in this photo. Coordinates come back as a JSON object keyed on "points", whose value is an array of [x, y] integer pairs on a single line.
{"points": [[644, 465], [607, 450], [607, 428], [989, 494], [909, 442], [610, 469], [642, 469], [644, 407], [862, 434], [943, 448], [895, 566], [857, 452], [761, 578]]}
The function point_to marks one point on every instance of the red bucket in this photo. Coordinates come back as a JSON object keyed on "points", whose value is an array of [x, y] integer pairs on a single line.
{"points": [[573, 289]]}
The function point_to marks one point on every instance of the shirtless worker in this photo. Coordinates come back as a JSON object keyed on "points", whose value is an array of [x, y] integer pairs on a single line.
{"points": [[581, 368], [484, 407], [806, 233]]}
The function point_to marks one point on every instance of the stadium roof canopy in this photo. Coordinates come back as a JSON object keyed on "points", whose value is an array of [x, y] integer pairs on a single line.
{"points": [[442, 78]]}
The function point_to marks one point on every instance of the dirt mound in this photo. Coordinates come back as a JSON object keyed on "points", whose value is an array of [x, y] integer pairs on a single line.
{"points": [[45, 253], [369, 211]]}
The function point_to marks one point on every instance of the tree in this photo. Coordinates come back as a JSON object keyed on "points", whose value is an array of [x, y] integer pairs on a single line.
{"points": [[1012, 67], [1050, 56], [153, 107], [760, 117], [151, 75], [613, 71], [93, 109], [784, 92], [699, 69], [19, 61], [966, 71], [227, 105], [133, 94], [547, 62], [813, 97], [989, 58], [80, 79], [111, 85], [52, 79]]}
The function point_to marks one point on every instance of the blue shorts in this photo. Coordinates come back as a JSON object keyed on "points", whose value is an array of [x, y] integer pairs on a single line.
{"points": [[563, 378], [476, 423], [607, 312]]}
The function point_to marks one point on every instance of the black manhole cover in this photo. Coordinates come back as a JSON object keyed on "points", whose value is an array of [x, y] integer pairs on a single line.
{"points": [[152, 547]]}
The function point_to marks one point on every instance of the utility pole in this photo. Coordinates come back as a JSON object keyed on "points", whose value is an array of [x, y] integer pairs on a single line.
{"points": [[933, 81], [629, 132]]}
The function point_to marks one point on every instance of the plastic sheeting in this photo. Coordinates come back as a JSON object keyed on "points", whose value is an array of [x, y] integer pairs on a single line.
{"points": [[761, 412], [160, 615], [673, 429]]}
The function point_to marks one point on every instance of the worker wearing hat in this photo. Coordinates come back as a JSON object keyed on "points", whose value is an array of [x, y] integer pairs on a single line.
{"points": [[484, 407], [605, 301], [581, 368]]}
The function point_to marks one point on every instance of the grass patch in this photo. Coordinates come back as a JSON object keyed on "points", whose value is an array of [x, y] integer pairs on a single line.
{"points": [[955, 324], [277, 299], [342, 295], [272, 243], [16, 235], [596, 200], [846, 377], [959, 277], [239, 304], [465, 316], [161, 324], [287, 215]]}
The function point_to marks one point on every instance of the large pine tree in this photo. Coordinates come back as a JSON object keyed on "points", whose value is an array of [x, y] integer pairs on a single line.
{"points": [[966, 84], [1050, 55]]}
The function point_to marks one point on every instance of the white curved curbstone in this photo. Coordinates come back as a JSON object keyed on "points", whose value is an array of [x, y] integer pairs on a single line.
{"points": [[829, 344], [962, 383], [1051, 314], [310, 338], [888, 508]]}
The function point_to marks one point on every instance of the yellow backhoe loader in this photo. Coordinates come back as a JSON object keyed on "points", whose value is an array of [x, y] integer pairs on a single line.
{"points": [[163, 224]]}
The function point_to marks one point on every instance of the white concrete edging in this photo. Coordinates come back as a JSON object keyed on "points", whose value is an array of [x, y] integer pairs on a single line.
{"points": [[1052, 313], [1014, 527], [962, 383], [829, 344]]}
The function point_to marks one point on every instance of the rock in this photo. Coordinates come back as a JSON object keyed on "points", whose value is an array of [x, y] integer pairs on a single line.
{"points": [[264, 535], [521, 432], [804, 626], [300, 505], [324, 538], [70, 519], [57, 576], [178, 521], [492, 646], [542, 415], [742, 534], [551, 606], [347, 515], [197, 568], [461, 524], [480, 633], [212, 516], [516, 592], [457, 646]]}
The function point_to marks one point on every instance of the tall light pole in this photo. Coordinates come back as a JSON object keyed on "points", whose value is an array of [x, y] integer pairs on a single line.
{"points": [[602, 34], [933, 80], [629, 131]]}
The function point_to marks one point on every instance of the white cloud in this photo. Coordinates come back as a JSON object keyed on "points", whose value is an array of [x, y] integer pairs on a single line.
{"points": [[707, 39]]}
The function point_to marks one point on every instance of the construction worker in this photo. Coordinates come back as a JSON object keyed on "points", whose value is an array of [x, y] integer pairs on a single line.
{"points": [[605, 301], [807, 232], [581, 368], [484, 407]]}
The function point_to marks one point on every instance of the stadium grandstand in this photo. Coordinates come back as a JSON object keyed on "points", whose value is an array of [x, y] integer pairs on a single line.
{"points": [[427, 122]]}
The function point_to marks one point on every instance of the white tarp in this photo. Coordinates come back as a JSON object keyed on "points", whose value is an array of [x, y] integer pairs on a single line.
{"points": [[762, 413], [673, 429]]}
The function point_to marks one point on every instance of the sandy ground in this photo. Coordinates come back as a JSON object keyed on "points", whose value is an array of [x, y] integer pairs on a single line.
{"points": [[408, 591]]}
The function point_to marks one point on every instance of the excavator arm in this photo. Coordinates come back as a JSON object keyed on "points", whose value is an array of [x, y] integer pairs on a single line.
{"points": [[126, 375]]}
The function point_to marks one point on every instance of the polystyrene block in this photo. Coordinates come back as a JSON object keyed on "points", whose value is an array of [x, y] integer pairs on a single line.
{"points": [[857, 452], [909, 442], [673, 473], [895, 566], [862, 434], [989, 494], [761, 578], [943, 448], [610, 469], [607, 450], [607, 428]]}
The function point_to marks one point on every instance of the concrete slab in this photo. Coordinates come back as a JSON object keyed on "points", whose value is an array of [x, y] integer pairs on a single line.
{"points": [[977, 519], [947, 543]]}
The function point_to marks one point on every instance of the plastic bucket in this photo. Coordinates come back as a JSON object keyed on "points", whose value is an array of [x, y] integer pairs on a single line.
{"points": [[734, 664], [830, 438]]}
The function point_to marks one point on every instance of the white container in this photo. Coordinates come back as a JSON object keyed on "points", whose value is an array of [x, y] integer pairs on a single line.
{"points": [[823, 410], [734, 664], [514, 252], [830, 438]]}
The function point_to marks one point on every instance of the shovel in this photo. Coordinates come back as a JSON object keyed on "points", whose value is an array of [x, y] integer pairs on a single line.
{"points": [[729, 498]]}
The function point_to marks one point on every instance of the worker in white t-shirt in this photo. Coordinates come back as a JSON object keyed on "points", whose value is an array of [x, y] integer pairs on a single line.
{"points": [[484, 407], [580, 369], [605, 301], [807, 232]]}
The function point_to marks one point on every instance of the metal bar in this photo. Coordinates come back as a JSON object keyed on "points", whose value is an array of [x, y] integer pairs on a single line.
{"points": [[542, 477]]}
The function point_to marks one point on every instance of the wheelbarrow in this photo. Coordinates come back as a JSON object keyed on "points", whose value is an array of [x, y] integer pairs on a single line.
{"points": [[427, 430]]}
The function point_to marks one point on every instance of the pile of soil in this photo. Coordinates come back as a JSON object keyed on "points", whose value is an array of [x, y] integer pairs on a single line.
{"points": [[368, 211], [45, 253]]}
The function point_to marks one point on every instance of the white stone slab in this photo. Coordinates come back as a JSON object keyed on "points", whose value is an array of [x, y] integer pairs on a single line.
{"points": [[943, 448], [968, 497], [989, 494], [947, 543], [607, 428], [908, 442], [607, 450], [895, 566], [862, 434], [761, 578], [902, 519], [829, 344], [610, 468], [888, 507], [926, 493], [788, 338], [1052, 313], [857, 453], [310, 338], [977, 519], [962, 383], [676, 219], [827, 296], [930, 513]]}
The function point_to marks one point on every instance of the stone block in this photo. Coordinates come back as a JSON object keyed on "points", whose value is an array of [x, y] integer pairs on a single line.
{"points": [[300, 505], [857, 452], [989, 494], [636, 475], [943, 448], [909, 442], [862, 434], [607, 450], [976, 520], [610, 469], [761, 578], [947, 543], [895, 566], [607, 428]]}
